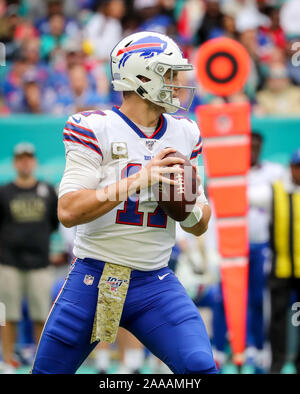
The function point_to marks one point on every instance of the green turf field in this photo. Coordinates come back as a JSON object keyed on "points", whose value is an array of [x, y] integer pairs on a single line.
{"points": [[227, 369]]}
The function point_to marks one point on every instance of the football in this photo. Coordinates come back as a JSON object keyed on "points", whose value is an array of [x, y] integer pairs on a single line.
{"points": [[177, 201]]}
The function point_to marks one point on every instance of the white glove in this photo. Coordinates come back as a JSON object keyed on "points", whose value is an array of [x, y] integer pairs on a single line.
{"points": [[193, 218]]}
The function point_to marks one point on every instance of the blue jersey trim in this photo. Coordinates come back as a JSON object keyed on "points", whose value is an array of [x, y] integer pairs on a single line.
{"points": [[158, 133]]}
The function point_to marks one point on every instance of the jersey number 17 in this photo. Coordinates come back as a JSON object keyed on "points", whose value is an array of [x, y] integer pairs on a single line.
{"points": [[130, 214]]}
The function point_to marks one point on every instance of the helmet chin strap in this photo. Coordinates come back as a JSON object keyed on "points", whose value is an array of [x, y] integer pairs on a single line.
{"points": [[171, 109]]}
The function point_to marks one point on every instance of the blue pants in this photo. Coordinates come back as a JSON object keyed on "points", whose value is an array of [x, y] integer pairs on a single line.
{"points": [[213, 298], [257, 284], [158, 312]]}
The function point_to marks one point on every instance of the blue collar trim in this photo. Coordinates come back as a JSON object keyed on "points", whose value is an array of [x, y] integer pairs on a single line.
{"points": [[158, 133]]}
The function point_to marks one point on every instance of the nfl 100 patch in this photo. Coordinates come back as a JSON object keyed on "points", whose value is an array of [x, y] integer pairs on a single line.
{"points": [[115, 283], [150, 144]]}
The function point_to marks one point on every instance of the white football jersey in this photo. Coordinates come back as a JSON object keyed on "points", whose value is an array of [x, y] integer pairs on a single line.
{"points": [[136, 233]]}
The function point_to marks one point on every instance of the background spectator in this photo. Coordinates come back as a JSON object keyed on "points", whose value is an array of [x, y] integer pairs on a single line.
{"points": [[261, 173], [154, 16], [104, 29], [56, 7], [279, 97], [53, 36], [56, 37], [211, 24], [28, 217], [284, 274], [80, 95]]}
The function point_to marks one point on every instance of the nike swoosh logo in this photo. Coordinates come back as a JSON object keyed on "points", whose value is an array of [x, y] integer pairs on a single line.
{"points": [[76, 120], [163, 276]]}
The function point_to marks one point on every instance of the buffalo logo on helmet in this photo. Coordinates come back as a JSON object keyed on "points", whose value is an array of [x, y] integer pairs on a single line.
{"points": [[146, 46], [115, 283]]}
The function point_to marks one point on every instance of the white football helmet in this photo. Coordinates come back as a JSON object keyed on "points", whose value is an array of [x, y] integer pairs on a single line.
{"points": [[139, 63]]}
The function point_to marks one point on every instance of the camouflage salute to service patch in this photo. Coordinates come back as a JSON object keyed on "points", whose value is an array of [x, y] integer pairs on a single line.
{"points": [[113, 286]]}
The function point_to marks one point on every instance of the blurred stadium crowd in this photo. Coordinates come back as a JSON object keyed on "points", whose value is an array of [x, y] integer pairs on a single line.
{"points": [[57, 51]]}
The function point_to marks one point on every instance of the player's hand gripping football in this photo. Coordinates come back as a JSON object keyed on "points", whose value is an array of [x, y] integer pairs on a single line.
{"points": [[198, 179], [155, 170]]}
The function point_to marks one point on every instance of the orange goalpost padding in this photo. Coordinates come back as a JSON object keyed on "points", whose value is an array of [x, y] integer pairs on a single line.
{"points": [[226, 157], [234, 276], [233, 237], [222, 68], [226, 154], [229, 197], [224, 119]]}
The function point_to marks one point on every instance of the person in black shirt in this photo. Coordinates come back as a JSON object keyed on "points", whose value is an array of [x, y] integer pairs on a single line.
{"points": [[28, 216], [211, 22]]}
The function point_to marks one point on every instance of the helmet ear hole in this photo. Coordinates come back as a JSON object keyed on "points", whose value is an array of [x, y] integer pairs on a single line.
{"points": [[143, 78]]}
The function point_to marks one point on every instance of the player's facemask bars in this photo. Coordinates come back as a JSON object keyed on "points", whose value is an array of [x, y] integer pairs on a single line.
{"points": [[165, 94]]}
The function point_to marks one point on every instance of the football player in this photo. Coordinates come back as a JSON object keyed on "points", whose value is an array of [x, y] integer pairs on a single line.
{"points": [[120, 276]]}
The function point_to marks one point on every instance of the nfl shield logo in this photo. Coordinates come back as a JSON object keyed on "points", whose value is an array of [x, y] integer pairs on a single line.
{"points": [[150, 144], [88, 280]]}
